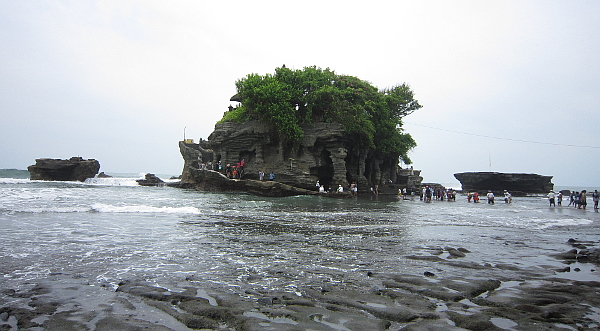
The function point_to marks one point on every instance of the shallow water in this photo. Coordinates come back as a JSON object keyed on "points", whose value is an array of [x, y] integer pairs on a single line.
{"points": [[105, 234]]}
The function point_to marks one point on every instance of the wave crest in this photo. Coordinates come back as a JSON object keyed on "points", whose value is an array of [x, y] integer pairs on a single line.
{"points": [[104, 208]]}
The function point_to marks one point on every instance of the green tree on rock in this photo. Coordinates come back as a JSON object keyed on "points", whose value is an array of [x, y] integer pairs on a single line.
{"points": [[290, 98]]}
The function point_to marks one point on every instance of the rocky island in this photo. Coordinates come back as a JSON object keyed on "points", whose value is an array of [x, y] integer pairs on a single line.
{"points": [[73, 169], [305, 127], [516, 183]]}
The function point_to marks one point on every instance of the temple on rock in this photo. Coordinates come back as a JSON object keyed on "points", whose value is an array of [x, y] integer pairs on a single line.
{"points": [[303, 126]]}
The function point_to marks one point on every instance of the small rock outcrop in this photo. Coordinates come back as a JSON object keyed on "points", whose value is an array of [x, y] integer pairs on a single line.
{"points": [[73, 169], [516, 183], [150, 180]]}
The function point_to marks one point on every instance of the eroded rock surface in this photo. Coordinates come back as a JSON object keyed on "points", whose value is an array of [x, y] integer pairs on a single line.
{"points": [[73, 169], [384, 302], [326, 154], [516, 183]]}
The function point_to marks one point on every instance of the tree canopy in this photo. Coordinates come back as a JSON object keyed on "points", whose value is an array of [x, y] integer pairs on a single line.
{"points": [[289, 98]]}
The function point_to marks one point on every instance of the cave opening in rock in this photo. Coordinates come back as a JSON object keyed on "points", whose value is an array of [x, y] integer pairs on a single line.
{"points": [[352, 168], [324, 171]]}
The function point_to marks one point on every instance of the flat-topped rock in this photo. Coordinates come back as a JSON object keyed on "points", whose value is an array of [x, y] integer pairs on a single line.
{"points": [[73, 169], [498, 182]]}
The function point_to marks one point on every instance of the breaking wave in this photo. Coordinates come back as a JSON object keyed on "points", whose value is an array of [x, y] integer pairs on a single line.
{"points": [[104, 208]]}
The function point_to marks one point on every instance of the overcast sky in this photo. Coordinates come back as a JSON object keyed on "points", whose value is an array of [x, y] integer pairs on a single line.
{"points": [[508, 86]]}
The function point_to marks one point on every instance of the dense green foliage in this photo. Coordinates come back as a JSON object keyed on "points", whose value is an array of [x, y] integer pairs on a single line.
{"points": [[290, 98]]}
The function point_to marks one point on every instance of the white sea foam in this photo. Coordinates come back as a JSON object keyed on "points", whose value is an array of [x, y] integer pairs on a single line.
{"points": [[104, 208], [565, 222], [50, 209], [14, 180], [112, 181]]}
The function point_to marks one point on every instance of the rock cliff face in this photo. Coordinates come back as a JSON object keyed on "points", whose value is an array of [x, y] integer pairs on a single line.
{"points": [[73, 169], [513, 182], [325, 154]]}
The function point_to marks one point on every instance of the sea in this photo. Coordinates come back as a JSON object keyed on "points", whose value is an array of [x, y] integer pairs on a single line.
{"points": [[108, 230]]}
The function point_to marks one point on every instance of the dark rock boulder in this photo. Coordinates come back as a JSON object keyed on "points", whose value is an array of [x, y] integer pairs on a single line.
{"points": [[213, 181], [516, 183], [150, 180], [73, 169]]}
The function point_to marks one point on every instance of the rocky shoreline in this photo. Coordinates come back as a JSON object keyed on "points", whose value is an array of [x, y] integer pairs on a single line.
{"points": [[494, 297]]}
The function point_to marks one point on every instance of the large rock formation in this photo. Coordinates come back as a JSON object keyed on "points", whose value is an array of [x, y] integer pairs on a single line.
{"points": [[73, 169], [325, 154], [515, 183]]}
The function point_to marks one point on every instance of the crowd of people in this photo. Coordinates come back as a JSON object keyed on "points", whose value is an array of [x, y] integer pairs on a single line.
{"points": [[353, 189], [491, 197], [576, 199]]}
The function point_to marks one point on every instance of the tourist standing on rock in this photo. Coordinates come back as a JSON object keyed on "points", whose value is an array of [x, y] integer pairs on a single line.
{"points": [[261, 175], [595, 198], [241, 167], [375, 190], [490, 197], [551, 197], [582, 199], [353, 189], [271, 176], [228, 171]]}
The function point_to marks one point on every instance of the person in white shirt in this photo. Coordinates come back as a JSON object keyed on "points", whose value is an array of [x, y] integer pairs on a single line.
{"points": [[490, 197], [551, 197], [507, 197]]}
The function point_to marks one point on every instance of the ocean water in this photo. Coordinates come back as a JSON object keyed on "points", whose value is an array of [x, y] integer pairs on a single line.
{"points": [[106, 231]]}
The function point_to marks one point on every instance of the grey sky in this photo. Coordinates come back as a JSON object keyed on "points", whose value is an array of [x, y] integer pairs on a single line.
{"points": [[119, 81]]}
